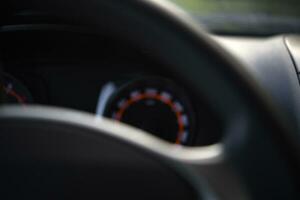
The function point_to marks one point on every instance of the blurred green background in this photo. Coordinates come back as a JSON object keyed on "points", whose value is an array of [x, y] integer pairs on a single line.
{"points": [[272, 7], [266, 17]]}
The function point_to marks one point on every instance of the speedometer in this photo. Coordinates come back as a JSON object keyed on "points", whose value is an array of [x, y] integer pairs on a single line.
{"points": [[14, 91], [155, 105]]}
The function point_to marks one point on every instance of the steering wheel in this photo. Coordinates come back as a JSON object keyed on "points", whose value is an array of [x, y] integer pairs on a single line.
{"points": [[54, 153]]}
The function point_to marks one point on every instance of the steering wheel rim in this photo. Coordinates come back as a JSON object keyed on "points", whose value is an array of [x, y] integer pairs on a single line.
{"points": [[173, 33]]}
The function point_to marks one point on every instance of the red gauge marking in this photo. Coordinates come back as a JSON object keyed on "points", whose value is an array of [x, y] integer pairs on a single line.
{"points": [[12, 93], [160, 98]]}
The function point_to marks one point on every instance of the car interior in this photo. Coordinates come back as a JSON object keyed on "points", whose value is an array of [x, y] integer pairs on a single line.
{"points": [[150, 99]]}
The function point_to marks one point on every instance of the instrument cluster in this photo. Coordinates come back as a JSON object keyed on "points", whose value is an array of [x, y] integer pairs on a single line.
{"points": [[155, 104]]}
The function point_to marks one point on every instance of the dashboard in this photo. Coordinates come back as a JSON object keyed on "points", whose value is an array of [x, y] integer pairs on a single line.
{"points": [[107, 78], [77, 68], [234, 98], [70, 68]]}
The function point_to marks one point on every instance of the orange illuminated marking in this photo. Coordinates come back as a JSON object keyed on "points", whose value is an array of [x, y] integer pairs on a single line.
{"points": [[160, 98], [12, 93]]}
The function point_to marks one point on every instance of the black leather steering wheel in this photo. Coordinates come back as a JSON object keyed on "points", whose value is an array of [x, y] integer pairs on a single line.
{"points": [[56, 153]]}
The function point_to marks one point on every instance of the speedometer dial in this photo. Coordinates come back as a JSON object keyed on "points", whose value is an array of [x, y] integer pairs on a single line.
{"points": [[15, 92], [157, 106]]}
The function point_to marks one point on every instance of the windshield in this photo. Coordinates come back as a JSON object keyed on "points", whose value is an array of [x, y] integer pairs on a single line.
{"points": [[246, 16]]}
